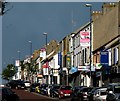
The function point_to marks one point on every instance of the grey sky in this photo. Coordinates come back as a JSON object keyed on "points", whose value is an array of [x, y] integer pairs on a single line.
{"points": [[29, 20]]}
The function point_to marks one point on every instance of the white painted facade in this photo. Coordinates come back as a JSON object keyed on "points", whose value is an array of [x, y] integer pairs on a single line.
{"points": [[81, 55], [53, 69]]}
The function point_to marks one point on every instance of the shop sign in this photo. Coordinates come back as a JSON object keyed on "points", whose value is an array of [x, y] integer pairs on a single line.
{"points": [[45, 65], [83, 68], [45, 71], [68, 60], [104, 58], [98, 66], [84, 38], [17, 63], [39, 75], [59, 58]]}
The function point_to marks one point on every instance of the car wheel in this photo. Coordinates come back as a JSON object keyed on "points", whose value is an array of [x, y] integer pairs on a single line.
{"points": [[4, 100], [52, 95], [16, 99], [16, 87], [59, 97]]}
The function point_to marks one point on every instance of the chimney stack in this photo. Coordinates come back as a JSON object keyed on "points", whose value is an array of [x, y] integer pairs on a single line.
{"points": [[96, 15], [106, 7]]}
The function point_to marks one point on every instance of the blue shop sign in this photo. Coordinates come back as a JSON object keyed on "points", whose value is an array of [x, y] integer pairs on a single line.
{"points": [[73, 70], [59, 58], [104, 58]]}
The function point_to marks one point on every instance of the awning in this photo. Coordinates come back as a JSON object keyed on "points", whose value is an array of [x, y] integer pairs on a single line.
{"points": [[39, 75], [98, 66], [45, 65], [73, 70]]}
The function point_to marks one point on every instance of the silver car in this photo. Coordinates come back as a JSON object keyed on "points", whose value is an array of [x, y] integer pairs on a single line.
{"points": [[100, 94], [115, 88]]}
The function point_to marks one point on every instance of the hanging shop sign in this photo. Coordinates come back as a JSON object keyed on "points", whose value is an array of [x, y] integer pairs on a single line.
{"points": [[45, 67], [68, 60], [59, 58], [43, 53], [17, 63], [45, 71], [98, 66], [83, 68], [84, 38]]}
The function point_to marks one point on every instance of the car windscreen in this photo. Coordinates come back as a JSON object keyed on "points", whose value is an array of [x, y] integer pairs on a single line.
{"points": [[86, 89], [117, 89], [103, 93], [56, 87], [66, 88]]}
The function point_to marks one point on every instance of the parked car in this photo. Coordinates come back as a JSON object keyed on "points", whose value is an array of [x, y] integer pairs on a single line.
{"points": [[74, 92], [6, 94], [54, 90], [48, 89], [83, 93], [64, 91], [33, 87], [100, 94], [27, 84], [43, 89], [115, 88], [17, 84], [91, 93]]}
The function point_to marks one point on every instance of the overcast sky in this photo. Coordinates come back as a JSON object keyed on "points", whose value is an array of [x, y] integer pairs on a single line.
{"points": [[29, 20]]}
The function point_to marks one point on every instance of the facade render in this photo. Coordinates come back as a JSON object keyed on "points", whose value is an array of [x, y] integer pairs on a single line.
{"points": [[106, 44], [81, 54], [75, 57], [49, 63], [64, 45]]}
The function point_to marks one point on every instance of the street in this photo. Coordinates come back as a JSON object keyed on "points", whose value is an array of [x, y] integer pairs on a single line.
{"points": [[31, 96]]}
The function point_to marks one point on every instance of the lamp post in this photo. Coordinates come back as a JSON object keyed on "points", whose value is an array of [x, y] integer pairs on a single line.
{"points": [[90, 6], [18, 55], [46, 54], [30, 47], [31, 59]]}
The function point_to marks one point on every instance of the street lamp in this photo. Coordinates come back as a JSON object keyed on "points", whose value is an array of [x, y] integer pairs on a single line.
{"points": [[90, 6], [46, 41], [31, 59], [30, 47], [46, 52], [18, 55]]}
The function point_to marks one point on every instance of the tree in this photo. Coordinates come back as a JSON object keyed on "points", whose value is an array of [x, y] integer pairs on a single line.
{"points": [[23, 66], [8, 72]]}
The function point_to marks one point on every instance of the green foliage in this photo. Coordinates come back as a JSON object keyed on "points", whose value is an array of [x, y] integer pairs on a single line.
{"points": [[22, 65], [9, 71]]}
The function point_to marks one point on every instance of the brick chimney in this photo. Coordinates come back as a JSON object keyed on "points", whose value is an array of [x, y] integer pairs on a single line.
{"points": [[96, 15], [106, 7]]}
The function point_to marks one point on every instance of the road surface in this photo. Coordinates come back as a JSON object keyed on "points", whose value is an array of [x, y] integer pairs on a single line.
{"points": [[31, 96]]}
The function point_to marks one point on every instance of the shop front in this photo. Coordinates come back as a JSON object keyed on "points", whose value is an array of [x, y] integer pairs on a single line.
{"points": [[73, 74], [84, 75]]}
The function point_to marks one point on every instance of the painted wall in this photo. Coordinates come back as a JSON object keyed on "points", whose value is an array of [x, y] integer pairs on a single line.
{"points": [[105, 28]]}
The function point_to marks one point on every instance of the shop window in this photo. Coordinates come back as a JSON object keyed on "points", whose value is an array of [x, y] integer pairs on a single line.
{"points": [[115, 52]]}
